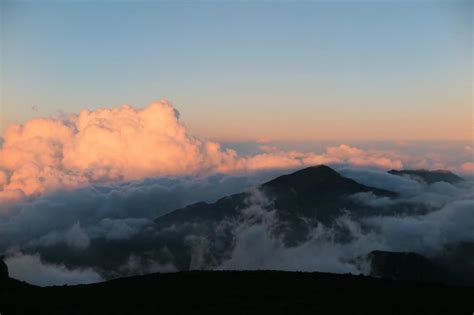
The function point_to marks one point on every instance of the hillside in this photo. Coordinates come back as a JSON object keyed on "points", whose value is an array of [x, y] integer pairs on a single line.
{"points": [[229, 292]]}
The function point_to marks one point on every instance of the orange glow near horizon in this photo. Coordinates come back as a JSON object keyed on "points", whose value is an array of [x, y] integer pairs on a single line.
{"points": [[124, 143]]}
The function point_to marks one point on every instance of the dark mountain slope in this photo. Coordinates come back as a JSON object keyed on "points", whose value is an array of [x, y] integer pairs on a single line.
{"points": [[430, 177], [301, 200], [316, 192], [203, 235], [3, 270], [257, 292], [453, 266], [11, 287], [404, 266]]}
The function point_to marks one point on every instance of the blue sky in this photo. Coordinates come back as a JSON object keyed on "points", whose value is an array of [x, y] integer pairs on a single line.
{"points": [[241, 70]]}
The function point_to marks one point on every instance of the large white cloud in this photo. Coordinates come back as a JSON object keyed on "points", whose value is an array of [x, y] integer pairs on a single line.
{"points": [[100, 146], [125, 143]]}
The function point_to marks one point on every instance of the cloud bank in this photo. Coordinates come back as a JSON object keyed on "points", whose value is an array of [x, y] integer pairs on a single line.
{"points": [[33, 269], [66, 236], [113, 208], [102, 146], [124, 143], [450, 223], [73, 185]]}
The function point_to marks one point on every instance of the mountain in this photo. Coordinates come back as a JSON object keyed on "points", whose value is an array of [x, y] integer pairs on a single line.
{"points": [[316, 193], [453, 266], [308, 192], [429, 177], [9, 285], [300, 201], [238, 292], [319, 193], [204, 235], [3, 270], [404, 266], [289, 208]]}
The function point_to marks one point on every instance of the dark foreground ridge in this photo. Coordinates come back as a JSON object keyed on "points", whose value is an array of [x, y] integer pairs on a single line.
{"points": [[243, 292]]}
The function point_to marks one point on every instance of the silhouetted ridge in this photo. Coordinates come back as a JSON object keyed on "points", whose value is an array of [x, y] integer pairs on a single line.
{"points": [[240, 292], [3, 270], [403, 266], [430, 177], [320, 174], [300, 201], [317, 183], [8, 284]]}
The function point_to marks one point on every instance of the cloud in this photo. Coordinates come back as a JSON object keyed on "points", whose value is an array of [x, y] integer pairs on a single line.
{"points": [[429, 233], [342, 246], [124, 230], [468, 167], [469, 150], [76, 237], [140, 265], [65, 225], [124, 143], [119, 229], [358, 157], [101, 146], [257, 249], [74, 185], [113, 211], [32, 269], [382, 179], [412, 193], [3, 179]]}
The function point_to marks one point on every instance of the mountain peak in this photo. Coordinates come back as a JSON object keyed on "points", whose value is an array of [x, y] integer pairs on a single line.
{"points": [[311, 175], [320, 169], [317, 182], [300, 200]]}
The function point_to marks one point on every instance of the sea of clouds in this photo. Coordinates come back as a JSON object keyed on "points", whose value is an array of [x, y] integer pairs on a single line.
{"points": [[107, 174]]}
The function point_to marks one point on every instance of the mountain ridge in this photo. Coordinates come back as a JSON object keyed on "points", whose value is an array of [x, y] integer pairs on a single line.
{"points": [[300, 200], [237, 292], [429, 176]]}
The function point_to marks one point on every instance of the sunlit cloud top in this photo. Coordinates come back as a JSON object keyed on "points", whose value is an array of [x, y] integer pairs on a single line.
{"points": [[126, 143]]}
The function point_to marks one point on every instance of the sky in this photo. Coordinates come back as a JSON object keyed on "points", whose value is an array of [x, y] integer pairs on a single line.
{"points": [[248, 70]]}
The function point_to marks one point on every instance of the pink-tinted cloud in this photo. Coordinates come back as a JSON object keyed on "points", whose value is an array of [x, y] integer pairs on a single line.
{"points": [[468, 167], [125, 143], [469, 150], [358, 157], [122, 143]]}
